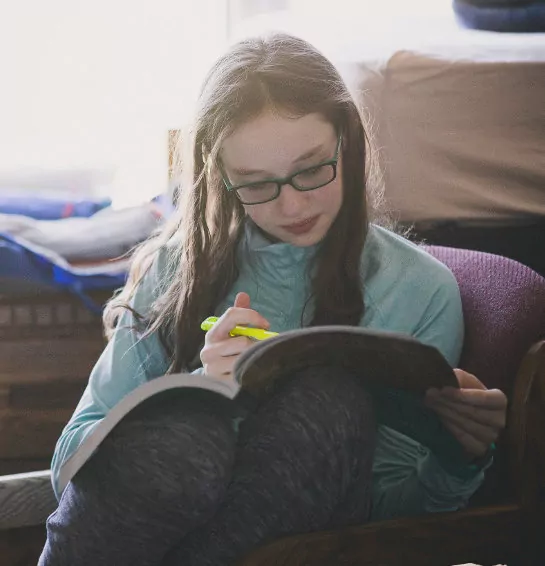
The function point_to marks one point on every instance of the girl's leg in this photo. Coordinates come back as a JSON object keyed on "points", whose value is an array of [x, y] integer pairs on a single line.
{"points": [[159, 474], [303, 464]]}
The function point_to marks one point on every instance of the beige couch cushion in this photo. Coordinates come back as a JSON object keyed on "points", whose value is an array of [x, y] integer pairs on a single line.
{"points": [[459, 138]]}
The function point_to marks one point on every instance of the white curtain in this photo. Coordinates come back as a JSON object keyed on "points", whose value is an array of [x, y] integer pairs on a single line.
{"points": [[91, 88]]}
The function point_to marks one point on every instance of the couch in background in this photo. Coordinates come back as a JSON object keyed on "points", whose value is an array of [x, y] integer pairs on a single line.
{"points": [[459, 131]]}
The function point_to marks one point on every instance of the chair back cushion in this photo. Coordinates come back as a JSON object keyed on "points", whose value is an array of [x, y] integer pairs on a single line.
{"points": [[504, 312]]}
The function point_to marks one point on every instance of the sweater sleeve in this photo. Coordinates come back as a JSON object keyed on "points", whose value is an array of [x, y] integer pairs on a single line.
{"points": [[407, 478], [127, 361]]}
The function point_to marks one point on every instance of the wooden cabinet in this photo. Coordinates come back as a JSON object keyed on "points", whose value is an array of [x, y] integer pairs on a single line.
{"points": [[48, 347]]}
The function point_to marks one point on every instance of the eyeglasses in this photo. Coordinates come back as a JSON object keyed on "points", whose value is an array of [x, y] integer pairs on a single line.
{"points": [[307, 179]]}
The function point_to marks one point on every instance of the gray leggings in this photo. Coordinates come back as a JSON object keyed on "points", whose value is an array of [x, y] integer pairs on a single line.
{"points": [[175, 485]]}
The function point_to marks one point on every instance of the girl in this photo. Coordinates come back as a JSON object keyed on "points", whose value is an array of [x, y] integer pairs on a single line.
{"points": [[274, 231]]}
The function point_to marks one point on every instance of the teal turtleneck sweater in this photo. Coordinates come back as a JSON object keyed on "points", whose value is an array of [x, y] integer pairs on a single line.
{"points": [[405, 290]]}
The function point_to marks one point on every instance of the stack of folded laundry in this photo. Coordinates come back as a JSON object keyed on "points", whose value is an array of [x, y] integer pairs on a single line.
{"points": [[71, 243]]}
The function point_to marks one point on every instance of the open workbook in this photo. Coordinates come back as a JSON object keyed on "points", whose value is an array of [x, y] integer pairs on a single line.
{"points": [[395, 368]]}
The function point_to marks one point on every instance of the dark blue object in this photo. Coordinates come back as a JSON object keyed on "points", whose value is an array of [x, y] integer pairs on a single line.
{"points": [[23, 268], [520, 17], [47, 208]]}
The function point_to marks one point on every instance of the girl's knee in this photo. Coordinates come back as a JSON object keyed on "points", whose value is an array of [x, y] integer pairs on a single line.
{"points": [[335, 391], [325, 402], [167, 452]]}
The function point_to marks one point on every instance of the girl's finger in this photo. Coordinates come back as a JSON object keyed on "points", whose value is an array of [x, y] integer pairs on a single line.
{"points": [[229, 347], [494, 417], [488, 399], [242, 300], [471, 445], [221, 367], [481, 432], [232, 317], [467, 380]]}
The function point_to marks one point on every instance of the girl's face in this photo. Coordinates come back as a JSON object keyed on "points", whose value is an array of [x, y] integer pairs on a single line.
{"points": [[272, 146]]}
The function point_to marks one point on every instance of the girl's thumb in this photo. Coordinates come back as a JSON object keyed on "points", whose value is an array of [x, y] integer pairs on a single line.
{"points": [[242, 300]]}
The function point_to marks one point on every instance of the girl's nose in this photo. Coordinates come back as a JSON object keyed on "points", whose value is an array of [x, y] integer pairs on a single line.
{"points": [[292, 202]]}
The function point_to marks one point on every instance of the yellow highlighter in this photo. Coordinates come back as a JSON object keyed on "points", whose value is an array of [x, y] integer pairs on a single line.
{"points": [[255, 333]]}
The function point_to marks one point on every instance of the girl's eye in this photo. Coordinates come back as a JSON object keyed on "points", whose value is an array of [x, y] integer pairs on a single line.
{"points": [[258, 192], [261, 187], [311, 172], [317, 176]]}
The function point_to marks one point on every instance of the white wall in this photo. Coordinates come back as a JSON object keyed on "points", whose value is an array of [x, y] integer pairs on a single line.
{"points": [[97, 84], [365, 27]]}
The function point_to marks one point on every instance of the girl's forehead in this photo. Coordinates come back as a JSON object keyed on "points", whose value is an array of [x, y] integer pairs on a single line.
{"points": [[274, 140]]}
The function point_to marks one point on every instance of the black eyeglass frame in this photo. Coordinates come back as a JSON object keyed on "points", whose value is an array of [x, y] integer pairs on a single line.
{"points": [[280, 182]]}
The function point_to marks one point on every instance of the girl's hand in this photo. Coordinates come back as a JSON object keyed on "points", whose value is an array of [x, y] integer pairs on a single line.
{"points": [[221, 350], [474, 414]]}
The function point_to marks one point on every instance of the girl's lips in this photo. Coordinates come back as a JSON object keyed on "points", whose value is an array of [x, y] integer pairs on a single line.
{"points": [[302, 227]]}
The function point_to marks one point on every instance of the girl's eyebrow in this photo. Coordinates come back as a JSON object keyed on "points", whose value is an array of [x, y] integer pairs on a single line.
{"points": [[310, 153]]}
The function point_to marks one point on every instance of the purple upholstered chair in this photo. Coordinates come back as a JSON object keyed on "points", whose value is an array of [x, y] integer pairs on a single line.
{"points": [[504, 309], [504, 312]]}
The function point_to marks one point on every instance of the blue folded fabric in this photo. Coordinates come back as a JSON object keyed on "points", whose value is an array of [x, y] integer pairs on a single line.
{"points": [[49, 207], [524, 17], [25, 267]]}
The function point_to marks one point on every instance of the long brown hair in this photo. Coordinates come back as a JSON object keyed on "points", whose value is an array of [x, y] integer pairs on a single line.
{"points": [[288, 75]]}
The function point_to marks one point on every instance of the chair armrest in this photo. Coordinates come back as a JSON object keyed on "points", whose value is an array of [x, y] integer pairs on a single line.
{"points": [[26, 499], [526, 445], [486, 535], [526, 441]]}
